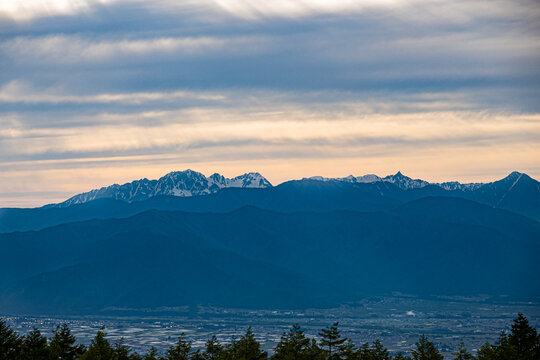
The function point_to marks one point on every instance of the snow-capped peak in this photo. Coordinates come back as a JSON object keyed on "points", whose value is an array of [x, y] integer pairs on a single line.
{"points": [[406, 183], [176, 183], [352, 179], [248, 180], [369, 178]]}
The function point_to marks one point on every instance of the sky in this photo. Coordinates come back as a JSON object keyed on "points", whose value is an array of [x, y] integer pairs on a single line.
{"points": [[96, 92]]}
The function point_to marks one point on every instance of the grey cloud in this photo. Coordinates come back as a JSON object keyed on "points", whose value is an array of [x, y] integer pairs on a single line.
{"points": [[390, 50]]}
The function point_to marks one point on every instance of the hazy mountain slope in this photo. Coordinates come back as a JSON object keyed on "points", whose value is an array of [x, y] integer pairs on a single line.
{"points": [[142, 269], [458, 210], [304, 195], [259, 258], [13, 219], [517, 192]]}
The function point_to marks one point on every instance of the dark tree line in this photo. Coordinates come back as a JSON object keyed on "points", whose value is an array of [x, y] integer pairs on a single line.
{"points": [[521, 343]]}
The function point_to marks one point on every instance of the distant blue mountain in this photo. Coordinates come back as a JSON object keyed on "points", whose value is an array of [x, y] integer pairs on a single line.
{"points": [[517, 192], [186, 239], [513, 192], [258, 258]]}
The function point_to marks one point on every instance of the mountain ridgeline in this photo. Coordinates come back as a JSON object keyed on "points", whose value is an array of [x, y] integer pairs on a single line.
{"points": [[193, 192], [184, 240], [176, 183]]}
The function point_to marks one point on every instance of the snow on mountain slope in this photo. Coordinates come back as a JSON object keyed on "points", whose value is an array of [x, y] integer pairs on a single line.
{"points": [[454, 185], [405, 182], [192, 183], [352, 179], [402, 181], [249, 180], [176, 183]]}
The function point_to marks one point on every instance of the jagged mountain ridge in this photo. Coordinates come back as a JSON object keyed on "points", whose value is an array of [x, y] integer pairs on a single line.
{"points": [[404, 182], [192, 183], [176, 183], [517, 192]]}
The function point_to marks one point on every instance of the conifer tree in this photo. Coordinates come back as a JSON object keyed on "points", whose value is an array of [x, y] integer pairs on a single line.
{"points": [[63, 345], [197, 355], [294, 345], [523, 342], [348, 350], [123, 351], [425, 350], [10, 342], [229, 351], [181, 350], [152, 354], [248, 348], [501, 350], [463, 353], [315, 352], [332, 340], [100, 348], [378, 351], [363, 351], [35, 346], [401, 356], [213, 349], [524, 339], [487, 352], [505, 350]]}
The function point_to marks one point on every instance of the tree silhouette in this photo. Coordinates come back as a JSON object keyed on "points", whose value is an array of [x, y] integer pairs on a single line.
{"points": [[378, 351], [524, 339], [63, 344], [332, 340], [463, 353], [151, 354], [487, 352], [35, 346], [348, 350], [425, 350], [213, 349], [100, 348], [247, 348], [10, 342], [181, 350], [294, 345], [521, 343], [401, 356]]}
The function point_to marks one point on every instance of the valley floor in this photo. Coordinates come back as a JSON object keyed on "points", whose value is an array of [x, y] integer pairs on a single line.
{"points": [[396, 321]]}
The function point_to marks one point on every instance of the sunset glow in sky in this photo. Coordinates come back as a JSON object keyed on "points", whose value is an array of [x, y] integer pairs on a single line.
{"points": [[96, 92]]}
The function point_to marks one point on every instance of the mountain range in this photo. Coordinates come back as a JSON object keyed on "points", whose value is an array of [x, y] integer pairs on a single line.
{"points": [[402, 181], [187, 239], [192, 183], [176, 183], [517, 192]]}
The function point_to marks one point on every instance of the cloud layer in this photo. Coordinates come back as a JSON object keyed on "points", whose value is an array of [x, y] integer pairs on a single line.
{"points": [[96, 92]]}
